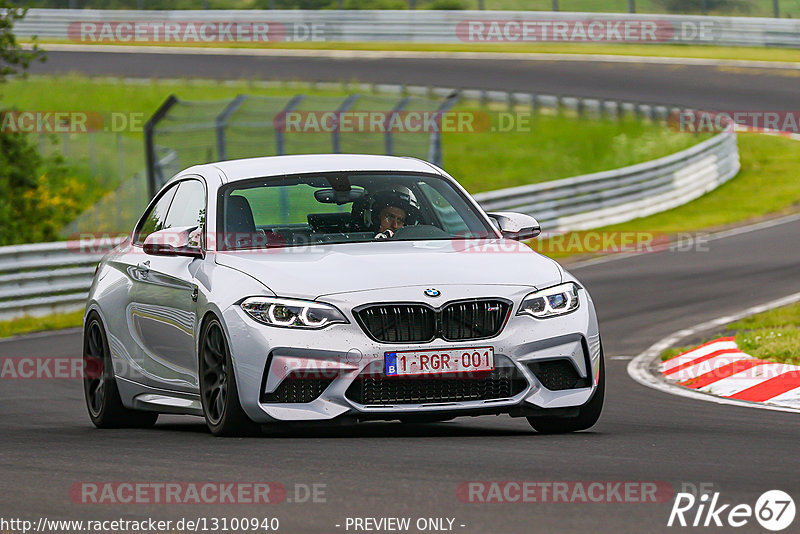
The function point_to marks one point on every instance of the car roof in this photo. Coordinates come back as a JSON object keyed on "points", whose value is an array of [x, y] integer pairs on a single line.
{"points": [[242, 169]]}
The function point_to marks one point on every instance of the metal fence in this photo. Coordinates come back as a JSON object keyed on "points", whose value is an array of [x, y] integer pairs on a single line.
{"points": [[755, 8], [195, 132], [92, 26], [183, 133]]}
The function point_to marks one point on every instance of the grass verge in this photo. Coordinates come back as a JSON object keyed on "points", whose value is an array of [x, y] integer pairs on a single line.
{"points": [[766, 186], [27, 325], [773, 335]]}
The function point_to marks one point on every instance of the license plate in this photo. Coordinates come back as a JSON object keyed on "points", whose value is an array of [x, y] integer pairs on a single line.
{"points": [[435, 362]]}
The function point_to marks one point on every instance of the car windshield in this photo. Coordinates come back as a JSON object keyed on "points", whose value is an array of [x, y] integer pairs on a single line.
{"points": [[350, 207]]}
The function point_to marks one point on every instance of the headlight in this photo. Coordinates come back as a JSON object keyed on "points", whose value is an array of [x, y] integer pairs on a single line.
{"points": [[291, 313], [556, 300]]}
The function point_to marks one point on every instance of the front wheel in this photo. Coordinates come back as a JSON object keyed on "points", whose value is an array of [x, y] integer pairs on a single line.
{"points": [[588, 414], [100, 387], [218, 393]]}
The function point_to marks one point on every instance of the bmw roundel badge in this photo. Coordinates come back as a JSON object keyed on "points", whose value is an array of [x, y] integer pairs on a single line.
{"points": [[432, 292]]}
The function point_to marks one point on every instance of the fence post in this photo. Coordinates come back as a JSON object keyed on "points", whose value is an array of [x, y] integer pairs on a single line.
{"points": [[149, 145], [222, 122], [92, 162], [336, 135], [280, 148], [776, 8], [388, 144], [280, 145], [435, 154], [631, 6], [120, 157], [555, 5]]}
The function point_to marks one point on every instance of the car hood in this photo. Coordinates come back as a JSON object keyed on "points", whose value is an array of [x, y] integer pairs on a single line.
{"points": [[311, 272]]}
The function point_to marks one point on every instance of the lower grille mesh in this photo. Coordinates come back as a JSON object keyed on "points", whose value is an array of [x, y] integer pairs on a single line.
{"points": [[297, 388], [500, 383]]}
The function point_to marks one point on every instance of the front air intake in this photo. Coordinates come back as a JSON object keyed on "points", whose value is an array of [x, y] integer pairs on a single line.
{"points": [[377, 389], [297, 388], [557, 375]]}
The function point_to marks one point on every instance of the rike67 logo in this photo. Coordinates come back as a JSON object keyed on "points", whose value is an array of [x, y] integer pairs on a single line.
{"points": [[774, 510]]}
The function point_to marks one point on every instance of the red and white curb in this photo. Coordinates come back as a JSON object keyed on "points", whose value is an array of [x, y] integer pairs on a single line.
{"points": [[721, 368], [646, 368]]}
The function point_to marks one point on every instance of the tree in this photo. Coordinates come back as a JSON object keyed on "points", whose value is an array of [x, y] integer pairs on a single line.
{"points": [[21, 165], [14, 58]]}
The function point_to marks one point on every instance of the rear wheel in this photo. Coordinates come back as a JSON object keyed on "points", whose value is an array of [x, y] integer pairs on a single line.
{"points": [[100, 387], [218, 393], [588, 414]]}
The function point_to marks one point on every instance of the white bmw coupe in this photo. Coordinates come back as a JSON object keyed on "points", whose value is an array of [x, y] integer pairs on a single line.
{"points": [[335, 287]]}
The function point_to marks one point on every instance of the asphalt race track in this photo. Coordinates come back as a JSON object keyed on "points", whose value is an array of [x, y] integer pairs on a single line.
{"points": [[720, 88], [47, 443]]}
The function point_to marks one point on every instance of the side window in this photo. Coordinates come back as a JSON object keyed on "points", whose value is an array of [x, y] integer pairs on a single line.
{"points": [[189, 206], [451, 221], [155, 220]]}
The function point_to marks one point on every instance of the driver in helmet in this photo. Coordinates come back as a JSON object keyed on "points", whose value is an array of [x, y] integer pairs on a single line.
{"points": [[391, 210]]}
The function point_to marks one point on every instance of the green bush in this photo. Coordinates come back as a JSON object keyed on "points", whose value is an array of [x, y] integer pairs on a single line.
{"points": [[691, 6], [293, 4], [38, 195], [375, 4], [447, 4]]}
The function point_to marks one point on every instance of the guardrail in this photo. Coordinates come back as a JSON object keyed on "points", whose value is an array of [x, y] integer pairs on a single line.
{"points": [[92, 26], [44, 278], [620, 195]]}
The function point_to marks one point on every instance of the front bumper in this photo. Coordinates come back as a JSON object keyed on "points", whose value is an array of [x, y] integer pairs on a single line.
{"points": [[265, 356]]}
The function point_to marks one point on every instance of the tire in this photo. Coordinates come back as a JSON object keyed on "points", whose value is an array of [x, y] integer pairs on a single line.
{"points": [[100, 387], [588, 414], [218, 392]]}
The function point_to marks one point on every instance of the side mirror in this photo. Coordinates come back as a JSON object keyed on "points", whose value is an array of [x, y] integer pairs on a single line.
{"points": [[516, 226], [181, 241]]}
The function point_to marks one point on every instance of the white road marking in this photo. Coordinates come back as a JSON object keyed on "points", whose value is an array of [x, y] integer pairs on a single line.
{"points": [[641, 368]]}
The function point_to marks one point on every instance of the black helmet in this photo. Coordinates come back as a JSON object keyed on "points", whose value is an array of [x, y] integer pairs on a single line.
{"points": [[394, 199]]}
